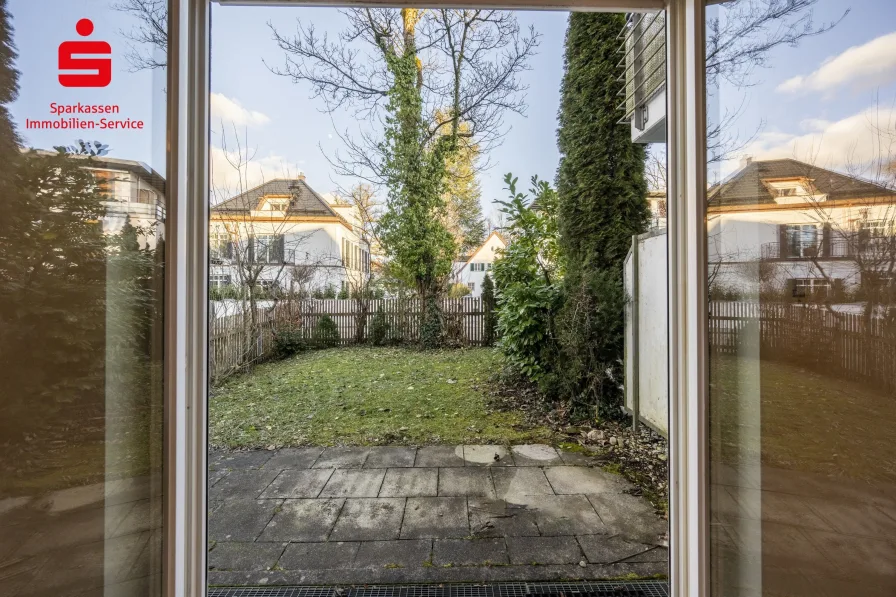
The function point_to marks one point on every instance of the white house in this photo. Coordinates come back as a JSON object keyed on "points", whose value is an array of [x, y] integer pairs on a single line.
{"points": [[788, 226], [299, 240], [471, 271]]}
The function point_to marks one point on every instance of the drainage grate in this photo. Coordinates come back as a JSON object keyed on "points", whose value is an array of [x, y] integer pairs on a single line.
{"points": [[570, 589]]}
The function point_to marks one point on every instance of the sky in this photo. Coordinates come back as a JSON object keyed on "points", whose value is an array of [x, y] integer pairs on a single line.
{"points": [[812, 101]]}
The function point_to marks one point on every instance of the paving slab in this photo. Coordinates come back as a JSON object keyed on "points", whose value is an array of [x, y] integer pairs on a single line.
{"points": [[564, 515], [438, 517], [515, 482], [303, 520], [306, 483], [600, 549], [538, 551], [341, 458], [369, 519], [241, 459], [629, 516], [242, 484], [469, 552], [319, 556], [391, 457], [434, 456], [354, 483], [574, 480], [293, 458], [535, 455], [245, 556], [498, 518], [412, 553], [469, 481], [487, 456], [576, 458], [241, 519], [410, 482]]}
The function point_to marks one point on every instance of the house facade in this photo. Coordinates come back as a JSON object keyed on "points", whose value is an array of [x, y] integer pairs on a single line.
{"points": [[472, 270], [801, 232], [284, 234]]}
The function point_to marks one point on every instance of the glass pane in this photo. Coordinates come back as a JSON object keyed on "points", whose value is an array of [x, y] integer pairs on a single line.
{"points": [[365, 424], [82, 137], [802, 301]]}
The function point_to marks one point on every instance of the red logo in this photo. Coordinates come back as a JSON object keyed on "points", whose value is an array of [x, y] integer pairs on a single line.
{"points": [[101, 68]]}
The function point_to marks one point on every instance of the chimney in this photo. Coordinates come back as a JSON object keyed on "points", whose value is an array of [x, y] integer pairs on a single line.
{"points": [[301, 176], [745, 161]]}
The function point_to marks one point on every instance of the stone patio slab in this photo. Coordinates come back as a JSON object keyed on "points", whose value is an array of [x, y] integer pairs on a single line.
{"points": [[319, 556], [245, 556], [535, 455], [341, 458], [438, 517], [434, 456], [600, 549], [410, 482], [544, 550], [516, 482], [391, 457], [303, 520], [354, 483], [298, 484], [242, 484], [293, 458], [487, 456], [470, 481], [469, 552], [369, 519], [240, 519], [394, 554], [497, 518], [241, 460], [632, 517], [564, 515], [575, 458], [573, 480]]}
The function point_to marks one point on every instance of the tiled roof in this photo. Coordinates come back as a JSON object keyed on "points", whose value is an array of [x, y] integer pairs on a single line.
{"points": [[305, 200], [746, 187]]}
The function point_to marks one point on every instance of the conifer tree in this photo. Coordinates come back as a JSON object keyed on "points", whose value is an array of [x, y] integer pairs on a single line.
{"points": [[602, 203]]}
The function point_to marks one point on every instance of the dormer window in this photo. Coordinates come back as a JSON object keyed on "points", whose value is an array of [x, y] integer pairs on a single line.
{"points": [[792, 190]]}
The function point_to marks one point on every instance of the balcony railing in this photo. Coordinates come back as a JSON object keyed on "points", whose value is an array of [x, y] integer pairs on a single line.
{"points": [[644, 61], [848, 248]]}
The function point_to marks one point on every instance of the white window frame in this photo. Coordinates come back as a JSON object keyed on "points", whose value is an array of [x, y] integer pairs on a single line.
{"points": [[186, 367]]}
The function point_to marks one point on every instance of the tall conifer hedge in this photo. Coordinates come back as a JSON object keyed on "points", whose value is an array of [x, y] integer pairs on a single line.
{"points": [[602, 203]]}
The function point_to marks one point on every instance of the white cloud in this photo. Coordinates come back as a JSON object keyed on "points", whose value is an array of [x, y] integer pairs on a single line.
{"points": [[231, 111], [857, 141], [872, 63], [228, 181]]}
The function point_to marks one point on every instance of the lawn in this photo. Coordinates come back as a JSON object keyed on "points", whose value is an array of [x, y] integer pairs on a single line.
{"points": [[366, 396], [809, 421]]}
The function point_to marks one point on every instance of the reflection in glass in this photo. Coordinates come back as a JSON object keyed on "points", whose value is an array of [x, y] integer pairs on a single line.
{"points": [[81, 284], [802, 345]]}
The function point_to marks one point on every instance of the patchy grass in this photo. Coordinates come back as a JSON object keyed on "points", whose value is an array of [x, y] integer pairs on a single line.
{"points": [[366, 396], [808, 421]]}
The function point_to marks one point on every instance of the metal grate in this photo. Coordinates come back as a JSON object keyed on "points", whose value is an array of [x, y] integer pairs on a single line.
{"points": [[570, 589]]}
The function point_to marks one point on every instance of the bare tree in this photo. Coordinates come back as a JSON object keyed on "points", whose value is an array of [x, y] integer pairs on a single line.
{"points": [[469, 62], [149, 37]]}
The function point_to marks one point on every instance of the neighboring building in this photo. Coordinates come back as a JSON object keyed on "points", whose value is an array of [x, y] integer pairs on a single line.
{"points": [[471, 270], [134, 191], [787, 226], [300, 240], [657, 202]]}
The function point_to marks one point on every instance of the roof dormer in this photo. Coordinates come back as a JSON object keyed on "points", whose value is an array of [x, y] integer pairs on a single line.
{"points": [[792, 190]]}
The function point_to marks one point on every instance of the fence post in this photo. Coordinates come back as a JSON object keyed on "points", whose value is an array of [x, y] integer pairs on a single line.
{"points": [[636, 324]]}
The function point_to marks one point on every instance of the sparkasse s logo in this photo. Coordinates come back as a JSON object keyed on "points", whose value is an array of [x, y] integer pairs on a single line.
{"points": [[101, 68]]}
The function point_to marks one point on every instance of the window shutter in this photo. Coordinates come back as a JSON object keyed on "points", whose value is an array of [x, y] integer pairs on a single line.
{"points": [[826, 240], [250, 250], [783, 242], [280, 249], [228, 250]]}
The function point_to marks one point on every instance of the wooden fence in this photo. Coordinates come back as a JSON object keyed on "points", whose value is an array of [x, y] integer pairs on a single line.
{"points": [[839, 344], [235, 343]]}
